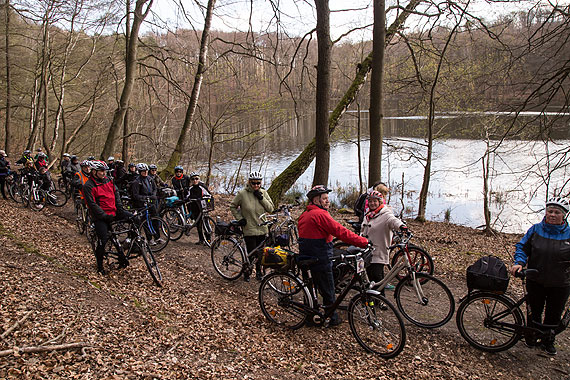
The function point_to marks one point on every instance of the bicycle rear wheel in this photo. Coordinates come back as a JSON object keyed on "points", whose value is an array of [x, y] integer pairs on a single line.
{"points": [[56, 198], [228, 257], [481, 320], [376, 325], [175, 223], [283, 299], [426, 301], [150, 261], [419, 259]]}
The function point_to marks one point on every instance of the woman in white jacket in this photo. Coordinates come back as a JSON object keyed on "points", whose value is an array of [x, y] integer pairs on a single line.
{"points": [[377, 226]]}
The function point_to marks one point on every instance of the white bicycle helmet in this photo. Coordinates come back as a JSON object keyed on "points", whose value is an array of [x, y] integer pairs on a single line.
{"points": [[142, 167], [111, 158], [85, 163], [255, 175], [194, 174], [98, 165], [559, 202]]}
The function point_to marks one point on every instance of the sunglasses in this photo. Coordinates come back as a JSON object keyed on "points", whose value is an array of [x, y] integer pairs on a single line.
{"points": [[195, 178], [178, 171], [256, 182]]}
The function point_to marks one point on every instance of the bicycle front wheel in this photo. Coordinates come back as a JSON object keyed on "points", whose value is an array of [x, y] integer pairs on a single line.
{"points": [[156, 232], [150, 262], [56, 198], [487, 321], [79, 218], [228, 257], [37, 200], [425, 301], [420, 260], [283, 300], [208, 229], [376, 325], [175, 222]]}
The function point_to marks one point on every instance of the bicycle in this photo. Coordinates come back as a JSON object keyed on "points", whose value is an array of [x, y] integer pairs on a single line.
{"points": [[286, 233], [81, 216], [422, 299], [155, 228], [291, 301], [125, 236], [229, 257], [181, 221], [494, 322], [419, 257]]}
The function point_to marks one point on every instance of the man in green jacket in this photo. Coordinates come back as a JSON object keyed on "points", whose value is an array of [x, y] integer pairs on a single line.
{"points": [[247, 207]]}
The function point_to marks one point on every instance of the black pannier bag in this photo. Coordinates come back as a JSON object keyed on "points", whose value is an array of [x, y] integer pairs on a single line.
{"points": [[488, 273]]}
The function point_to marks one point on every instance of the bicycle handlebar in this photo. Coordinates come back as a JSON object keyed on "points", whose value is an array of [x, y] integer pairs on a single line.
{"points": [[405, 236], [530, 273]]}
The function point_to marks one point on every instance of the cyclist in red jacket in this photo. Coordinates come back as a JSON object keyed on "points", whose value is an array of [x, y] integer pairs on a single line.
{"points": [[104, 203], [316, 230]]}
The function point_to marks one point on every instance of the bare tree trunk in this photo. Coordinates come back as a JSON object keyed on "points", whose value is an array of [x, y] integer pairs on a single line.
{"points": [[8, 126], [430, 127], [376, 100], [322, 144], [177, 153], [125, 150], [358, 143], [287, 178], [130, 72]]}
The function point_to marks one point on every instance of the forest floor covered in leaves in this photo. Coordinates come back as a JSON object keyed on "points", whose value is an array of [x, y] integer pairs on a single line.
{"points": [[199, 326]]}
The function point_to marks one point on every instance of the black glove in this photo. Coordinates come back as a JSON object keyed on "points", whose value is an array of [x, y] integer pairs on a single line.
{"points": [[258, 194], [108, 218], [404, 229], [242, 222]]}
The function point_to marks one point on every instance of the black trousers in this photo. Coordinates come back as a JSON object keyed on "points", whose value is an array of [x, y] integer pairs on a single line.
{"points": [[102, 229], [3, 185], [551, 300], [375, 273], [250, 243]]}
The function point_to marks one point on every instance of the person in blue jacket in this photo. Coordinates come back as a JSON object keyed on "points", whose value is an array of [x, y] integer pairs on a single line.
{"points": [[546, 247]]}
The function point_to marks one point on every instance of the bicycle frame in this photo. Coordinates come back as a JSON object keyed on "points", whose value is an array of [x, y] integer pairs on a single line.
{"points": [[319, 317]]}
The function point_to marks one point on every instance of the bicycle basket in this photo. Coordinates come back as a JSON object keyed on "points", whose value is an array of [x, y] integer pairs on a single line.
{"points": [[171, 200], [488, 273], [206, 204], [276, 258]]}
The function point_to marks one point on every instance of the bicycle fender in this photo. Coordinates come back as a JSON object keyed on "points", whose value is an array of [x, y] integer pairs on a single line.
{"points": [[373, 292]]}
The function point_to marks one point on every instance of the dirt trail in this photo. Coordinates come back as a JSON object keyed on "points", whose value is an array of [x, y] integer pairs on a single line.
{"points": [[199, 326]]}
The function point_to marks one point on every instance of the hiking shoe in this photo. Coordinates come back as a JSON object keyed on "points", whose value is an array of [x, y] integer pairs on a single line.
{"points": [[389, 287], [335, 322], [531, 342], [258, 276], [549, 348], [152, 243], [123, 264]]}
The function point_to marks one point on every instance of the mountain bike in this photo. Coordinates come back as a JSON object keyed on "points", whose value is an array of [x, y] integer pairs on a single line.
{"points": [[494, 322], [126, 237], [228, 253], [180, 219], [291, 301]]}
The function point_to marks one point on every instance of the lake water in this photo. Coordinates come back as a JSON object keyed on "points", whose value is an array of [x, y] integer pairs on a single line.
{"points": [[456, 186]]}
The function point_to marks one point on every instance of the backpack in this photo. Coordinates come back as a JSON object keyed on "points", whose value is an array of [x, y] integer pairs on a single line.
{"points": [[488, 273], [359, 205], [276, 258]]}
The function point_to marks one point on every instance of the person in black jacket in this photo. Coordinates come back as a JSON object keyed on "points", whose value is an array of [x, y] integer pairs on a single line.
{"points": [[197, 190], [4, 171], [144, 192], [180, 182]]}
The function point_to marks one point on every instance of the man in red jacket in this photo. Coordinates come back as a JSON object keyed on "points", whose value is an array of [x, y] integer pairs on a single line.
{"points": [[316, 231], [104, 203]]}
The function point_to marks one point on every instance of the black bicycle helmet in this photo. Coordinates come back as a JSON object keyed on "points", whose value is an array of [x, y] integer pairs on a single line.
{"points": [[316, 191], [152, 167]]}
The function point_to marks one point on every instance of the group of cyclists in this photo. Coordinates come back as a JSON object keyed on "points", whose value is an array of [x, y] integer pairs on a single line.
{"points": [[98, 184]]}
